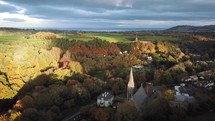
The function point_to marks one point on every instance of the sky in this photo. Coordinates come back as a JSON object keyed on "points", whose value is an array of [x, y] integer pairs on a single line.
{"points": [[106, 13]]}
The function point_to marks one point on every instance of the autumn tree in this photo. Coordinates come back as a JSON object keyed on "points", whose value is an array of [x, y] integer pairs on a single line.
{"points": [[100, 114], [117, 85], [108, 74], [45, 35], [31, 113], [141, 47], [126, 112], [166, 78], [76, 67], [177, 114], [43, 101], [25, 102], [94, 86], [80, 94], [169, 94], [213, 74], [156, 110], [157, 75]]}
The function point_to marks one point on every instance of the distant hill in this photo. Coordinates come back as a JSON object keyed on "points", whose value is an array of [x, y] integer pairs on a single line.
{"points": [[187, 28]]}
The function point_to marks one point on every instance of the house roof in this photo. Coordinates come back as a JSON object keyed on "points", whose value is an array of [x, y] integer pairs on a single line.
{"points": [[182, 90], [183, 98], [180, 98], [105, 95], [140, 96], [177, 88]]}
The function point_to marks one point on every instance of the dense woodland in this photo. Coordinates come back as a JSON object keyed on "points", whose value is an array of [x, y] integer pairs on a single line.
{"points": [[72, 73]]}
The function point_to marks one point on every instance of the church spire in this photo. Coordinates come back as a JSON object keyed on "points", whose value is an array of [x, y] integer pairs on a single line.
{"points": [[136, 38], [130, 87], [131, 79]]}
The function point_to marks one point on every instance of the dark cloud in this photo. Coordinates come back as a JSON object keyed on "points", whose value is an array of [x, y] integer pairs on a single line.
{"points": [[14, 20], [6, 8], [116, 10]]}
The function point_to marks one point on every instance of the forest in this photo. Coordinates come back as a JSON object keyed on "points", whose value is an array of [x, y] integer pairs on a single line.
{"points": [[49, 75]]}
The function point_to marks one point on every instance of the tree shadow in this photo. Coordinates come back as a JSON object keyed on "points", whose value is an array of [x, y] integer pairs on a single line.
{"points": [[6, 104], [200, 47], [46, 98], [25, 100]]}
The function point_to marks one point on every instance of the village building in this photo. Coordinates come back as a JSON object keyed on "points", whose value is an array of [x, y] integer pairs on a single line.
{"points": [[105, 99], [206, 75], [140, 96], [149, 58], [138, 66], [182, 97], [190, 78], [195, 56], [209, 85], [202, 77], [124, 52]]}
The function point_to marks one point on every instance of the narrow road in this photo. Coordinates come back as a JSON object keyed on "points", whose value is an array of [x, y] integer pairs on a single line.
{"points": [[76, 117], [79, 115]]}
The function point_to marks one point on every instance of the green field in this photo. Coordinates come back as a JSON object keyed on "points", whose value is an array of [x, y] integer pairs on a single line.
{"points": [[9, 43], [159, 37], [111, 37], [117, 37], [20, 39], [11, 38]]}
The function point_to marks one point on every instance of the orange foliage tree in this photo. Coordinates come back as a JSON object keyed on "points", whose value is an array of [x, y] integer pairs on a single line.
{"points": [[100, 114]]}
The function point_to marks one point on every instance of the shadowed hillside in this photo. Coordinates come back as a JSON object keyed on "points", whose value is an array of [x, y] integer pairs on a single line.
{"points": [[186, 28]]}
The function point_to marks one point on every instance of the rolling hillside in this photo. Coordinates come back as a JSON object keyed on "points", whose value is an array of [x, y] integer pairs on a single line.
{"points": [[188, 28]]}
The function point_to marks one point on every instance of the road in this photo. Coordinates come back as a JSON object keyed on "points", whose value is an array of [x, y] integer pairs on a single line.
{"points": [[80, 114]]}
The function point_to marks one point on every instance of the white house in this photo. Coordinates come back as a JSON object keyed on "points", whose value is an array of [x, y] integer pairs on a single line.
{"points": [[149, 58], [105, 99], [190, 78]]}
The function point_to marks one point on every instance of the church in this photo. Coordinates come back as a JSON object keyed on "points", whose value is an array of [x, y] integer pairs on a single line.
{"points": [[139, 96]]}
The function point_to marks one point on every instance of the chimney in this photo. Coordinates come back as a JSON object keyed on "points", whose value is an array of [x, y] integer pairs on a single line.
{"points": [[149, 88]]}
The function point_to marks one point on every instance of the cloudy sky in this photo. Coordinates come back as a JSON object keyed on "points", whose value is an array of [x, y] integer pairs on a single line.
{"points": [[106, 13]]}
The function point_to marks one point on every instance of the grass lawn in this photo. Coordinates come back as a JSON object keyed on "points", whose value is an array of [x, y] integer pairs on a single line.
{"points": [[8, 43], [8, 38], [158, 37], [118, 37], [111, 37]]}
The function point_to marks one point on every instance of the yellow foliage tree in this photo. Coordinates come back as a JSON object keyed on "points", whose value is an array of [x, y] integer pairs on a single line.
{"points": [[169, 94], [45, 35], [76, 67]]}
